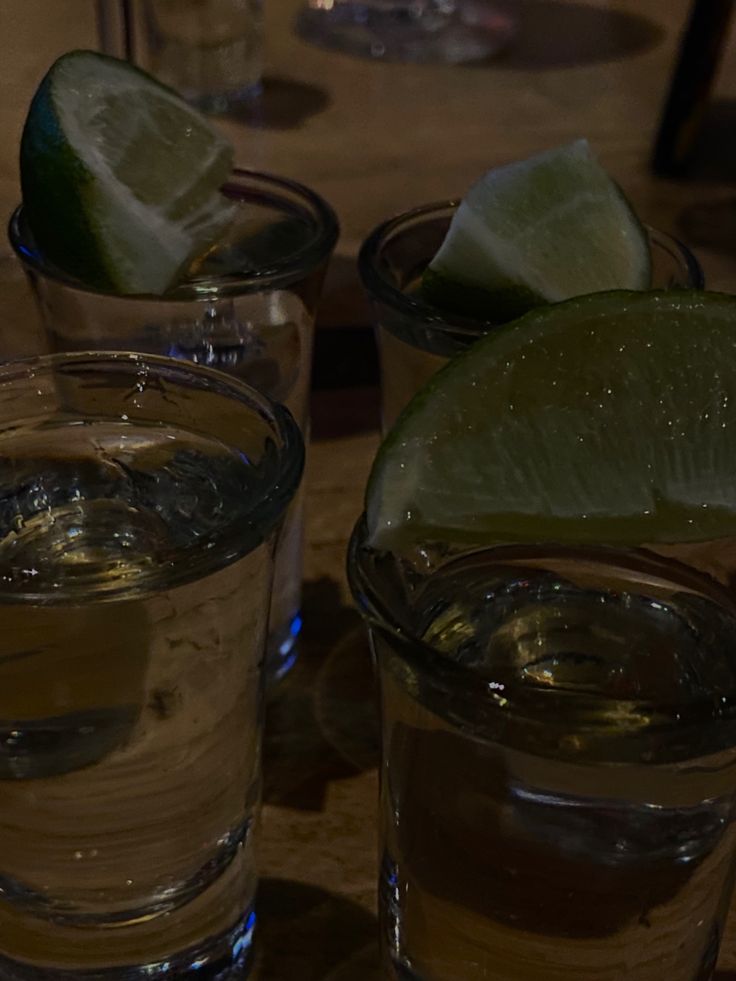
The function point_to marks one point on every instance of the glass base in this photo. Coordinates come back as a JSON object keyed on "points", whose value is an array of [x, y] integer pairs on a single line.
{"points": [[219, 103], [408, 30], [281, 652], [228, 957]]}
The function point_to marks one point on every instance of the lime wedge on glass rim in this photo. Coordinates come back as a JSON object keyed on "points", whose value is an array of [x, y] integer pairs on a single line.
{"points": [[537, 231], [607, 419], [120, 177]]}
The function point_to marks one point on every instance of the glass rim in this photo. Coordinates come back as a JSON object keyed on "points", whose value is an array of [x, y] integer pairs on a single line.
{"points": [[523, 706], [378, 287], [238, 538], [277, 275]]}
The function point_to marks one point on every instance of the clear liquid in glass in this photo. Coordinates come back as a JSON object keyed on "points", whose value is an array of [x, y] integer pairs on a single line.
{"points": [[129, 703], [587, 842]]}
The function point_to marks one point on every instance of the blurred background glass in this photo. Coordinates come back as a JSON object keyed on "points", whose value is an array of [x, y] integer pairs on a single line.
{"points": [[452, 31], [211, 51]]}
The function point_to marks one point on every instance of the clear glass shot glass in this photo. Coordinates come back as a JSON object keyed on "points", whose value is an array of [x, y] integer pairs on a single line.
{"points": [[445, 31], [249, 310], [559, 762], [210, 51], [140, 502], [416, 339]]}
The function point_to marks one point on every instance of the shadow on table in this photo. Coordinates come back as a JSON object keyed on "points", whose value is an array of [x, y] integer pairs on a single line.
{"points": [[560, 35], [283, 103], [308, 934], [321, 720]]}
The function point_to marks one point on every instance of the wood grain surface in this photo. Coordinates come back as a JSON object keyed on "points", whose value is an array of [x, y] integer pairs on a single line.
{"points": [[375, 139]]}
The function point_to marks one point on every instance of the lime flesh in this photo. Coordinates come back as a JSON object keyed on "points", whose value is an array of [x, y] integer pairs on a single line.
{"points": [[120, 177], [541, 230], [610, 418]]}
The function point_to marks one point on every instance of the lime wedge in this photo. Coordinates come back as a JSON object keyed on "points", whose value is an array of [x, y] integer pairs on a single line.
{"points": [[610, 418], [120, 176], [541, 230]]}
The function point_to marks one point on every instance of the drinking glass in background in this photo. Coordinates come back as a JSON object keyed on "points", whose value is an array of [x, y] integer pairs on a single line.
{"points": [[141, 497], [559, 762], [210, 51], [450, 31], [247, 309], [414, 338]]}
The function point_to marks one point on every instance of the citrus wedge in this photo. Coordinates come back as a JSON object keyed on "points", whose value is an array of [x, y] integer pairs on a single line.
{"points": [[540, 230], [610, 418], [120, 176]]}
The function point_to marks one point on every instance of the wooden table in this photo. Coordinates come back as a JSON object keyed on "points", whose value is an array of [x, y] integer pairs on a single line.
{"points": [[375, 139]]}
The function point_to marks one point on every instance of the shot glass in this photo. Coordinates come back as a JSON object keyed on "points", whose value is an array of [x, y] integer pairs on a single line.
{"points": [[210, 51], [249, 311], [140, 500], [416, 339], [559, 763]]}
